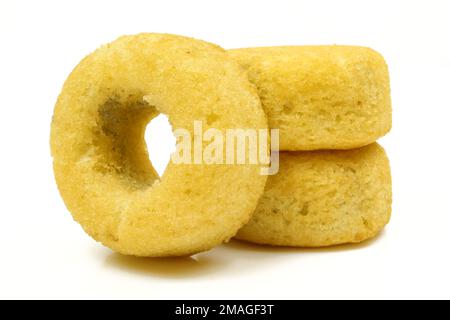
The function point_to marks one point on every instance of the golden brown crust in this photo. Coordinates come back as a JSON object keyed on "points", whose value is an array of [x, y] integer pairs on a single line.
{"points": [[100, 157], [324, 97], [324, 198]]}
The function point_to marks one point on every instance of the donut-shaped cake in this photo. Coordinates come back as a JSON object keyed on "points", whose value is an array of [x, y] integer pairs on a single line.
{"points": [[323, 97], [100, 157], [324, 198]]}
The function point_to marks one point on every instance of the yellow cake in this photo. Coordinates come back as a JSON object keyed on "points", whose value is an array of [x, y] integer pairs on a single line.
{"points": [[324, 97], [324, 198], [100, 157]]}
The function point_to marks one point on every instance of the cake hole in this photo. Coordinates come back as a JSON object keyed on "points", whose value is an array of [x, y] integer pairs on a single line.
{"points": [[161, 142], [117, 144]]}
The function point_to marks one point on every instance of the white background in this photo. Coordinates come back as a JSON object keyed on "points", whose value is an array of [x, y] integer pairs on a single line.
{"points": [[44, 254]]}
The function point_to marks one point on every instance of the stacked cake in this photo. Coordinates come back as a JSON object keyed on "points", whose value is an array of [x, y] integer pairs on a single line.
{"points": [[331, 104]]}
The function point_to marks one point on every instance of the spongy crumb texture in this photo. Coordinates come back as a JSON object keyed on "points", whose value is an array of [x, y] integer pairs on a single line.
{"points": [[100, 157], [324, 198], [321, 97]]}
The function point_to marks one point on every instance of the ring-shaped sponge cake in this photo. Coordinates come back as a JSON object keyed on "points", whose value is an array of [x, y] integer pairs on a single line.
{"points": [[324, 198], [321, 97], [100, 157]]}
